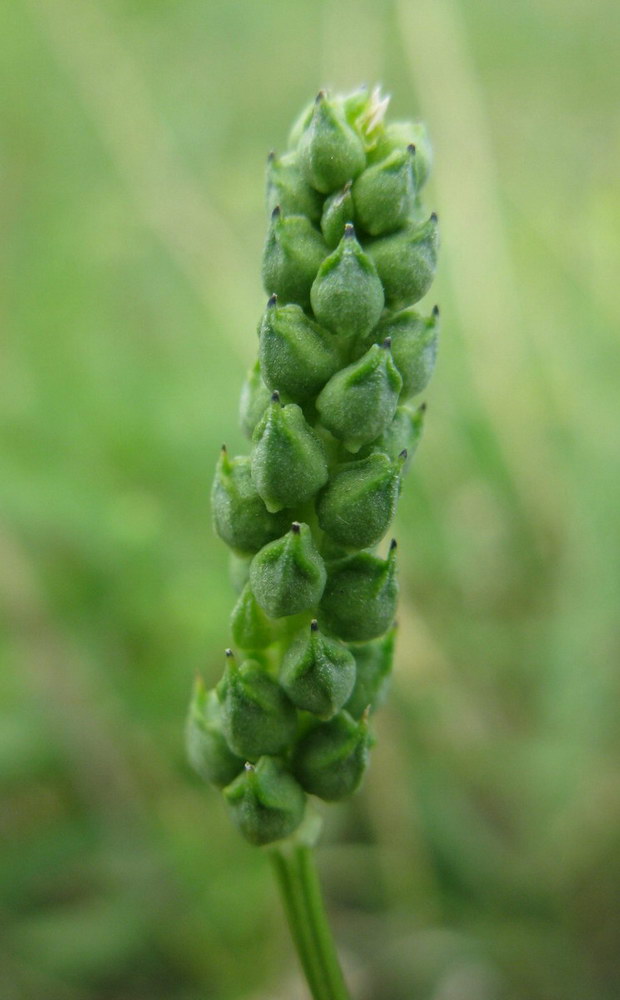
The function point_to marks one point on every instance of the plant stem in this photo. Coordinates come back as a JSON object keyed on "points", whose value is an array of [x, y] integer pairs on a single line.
{"points": [[303, 901]]}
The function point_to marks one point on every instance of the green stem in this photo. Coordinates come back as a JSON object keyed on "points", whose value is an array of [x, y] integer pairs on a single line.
{"points": [[303, 901]]}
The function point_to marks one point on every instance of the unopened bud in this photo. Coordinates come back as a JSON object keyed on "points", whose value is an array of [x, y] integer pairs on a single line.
{"points": [[257, 717], [337, 211], [265, 801], [330, 152], [317, 672], [296, 355], [288, 575], [359, 502], [384, 193], [250, 626], [373, 663], [347, 295], [207, 749], [359, 402], [360, 597], [331, 759], [287, 188], [292, 256], [288, 460], [240, 517], [406, 262], [414, 347]]}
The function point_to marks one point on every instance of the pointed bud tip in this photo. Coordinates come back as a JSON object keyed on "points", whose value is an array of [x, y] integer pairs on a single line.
{"points": [[271, 155], [229, 654], [275, 396], [314, 625], [403, 455], [224, 449], [387, 343], [276, 213], [322, 94], [435, 311], [295, 527], [272, 301], [393, 544], [422, 407], [349, 230], [249, 766], [434, 217], [411, 148]]}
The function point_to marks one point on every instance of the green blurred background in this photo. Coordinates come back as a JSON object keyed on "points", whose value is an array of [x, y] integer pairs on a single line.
{"points": [[482, 859]]}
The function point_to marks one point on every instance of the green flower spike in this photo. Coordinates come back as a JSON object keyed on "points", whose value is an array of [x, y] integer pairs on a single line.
{"points": [[359, 600], [287, 189], [358, 504], [288, 575], [265, 801], [347, 295], [239, 515], [317, 673], [288, 460], [250, 626], [207, 749], [373, 665], [330, 152], [296, 356], [384, 195], [414, 347], [257, 717], [359, 402], [349, 252], [331, 759], [293, 254], [406, 262]]}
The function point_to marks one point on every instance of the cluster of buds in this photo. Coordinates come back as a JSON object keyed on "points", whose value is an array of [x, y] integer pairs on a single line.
{"points": [[341, 352]]}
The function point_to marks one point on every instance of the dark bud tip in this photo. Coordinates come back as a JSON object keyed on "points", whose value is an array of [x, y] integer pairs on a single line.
{"points": [[224, 449], [271, 156], [349, 230], [272, 301], [314, 625], [295, 527], [249, 766], [229, 654], [434, 217], [403, 455], [275, 396], [320, 97], [276, 212], [422, 407], [411, 148], [393, 544], [435, 311], [387, 343]]}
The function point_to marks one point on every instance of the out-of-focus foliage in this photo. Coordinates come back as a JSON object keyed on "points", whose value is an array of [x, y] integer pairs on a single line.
{"points": [[481, 861]]}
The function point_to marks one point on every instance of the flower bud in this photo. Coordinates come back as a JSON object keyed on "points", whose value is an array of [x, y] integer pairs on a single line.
{"points": [[255, 397], [414, 347], [288, 460], [287, 188], [240, 517], [257, 717], [399, 135], [288, 575], [359, 402], [317, 673], [265, 801], [373, 662], [347, 295], [360, 596], [331, 759], [330, 152], [406, 262], [358, 504], [250, 627], [384, 194], [296, 355], [292, 256], [401, 437], [207, 749], [337, 211]]}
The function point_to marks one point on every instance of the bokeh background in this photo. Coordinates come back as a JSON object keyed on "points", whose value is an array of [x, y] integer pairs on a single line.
{"points": [[482, 859]]}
